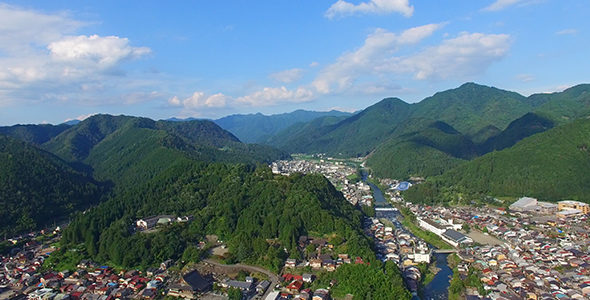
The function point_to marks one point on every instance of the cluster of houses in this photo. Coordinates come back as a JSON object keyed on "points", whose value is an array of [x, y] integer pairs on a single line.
{"points": [[337, 172], [23, 279], [538, 254], [295, 290]]}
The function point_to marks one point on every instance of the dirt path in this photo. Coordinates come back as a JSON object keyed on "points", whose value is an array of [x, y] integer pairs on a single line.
{"points": [[221, 268]]}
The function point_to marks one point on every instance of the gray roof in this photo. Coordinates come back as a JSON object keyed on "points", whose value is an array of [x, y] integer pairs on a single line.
{"points": [[239, 284], [454, 235], [524, 202]]}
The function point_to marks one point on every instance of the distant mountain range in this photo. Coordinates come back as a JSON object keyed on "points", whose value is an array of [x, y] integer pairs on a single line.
{"points": [[257, 128]]}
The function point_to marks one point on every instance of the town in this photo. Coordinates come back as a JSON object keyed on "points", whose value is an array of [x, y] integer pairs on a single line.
{"points": [[529, 250]]}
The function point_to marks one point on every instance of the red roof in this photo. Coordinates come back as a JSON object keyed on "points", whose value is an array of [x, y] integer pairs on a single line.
{"points": [[295, 285]]}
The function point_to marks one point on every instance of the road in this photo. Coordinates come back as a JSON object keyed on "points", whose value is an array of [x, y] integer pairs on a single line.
{"points": [[274, 278]]}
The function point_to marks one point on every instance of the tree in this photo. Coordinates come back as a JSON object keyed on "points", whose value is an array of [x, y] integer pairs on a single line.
{"points": [[466, 227]]}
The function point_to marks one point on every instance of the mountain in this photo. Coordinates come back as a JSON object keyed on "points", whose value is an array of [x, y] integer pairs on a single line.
{"points": [[472, 107], [299, 133], [36, 134], [37, 188], [563, 107], [474, 110], [421, 147], [256, 128], [520, 128], [354, 136], [129, 150], [552, 165]]}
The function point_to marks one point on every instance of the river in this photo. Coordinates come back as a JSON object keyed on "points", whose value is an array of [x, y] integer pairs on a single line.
{"points": [[438, 288]]}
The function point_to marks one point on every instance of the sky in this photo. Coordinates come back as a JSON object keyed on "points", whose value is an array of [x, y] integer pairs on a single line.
{"points": [[64, 60]]}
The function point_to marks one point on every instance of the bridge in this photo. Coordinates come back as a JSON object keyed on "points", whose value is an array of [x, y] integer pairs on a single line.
{"points": [[385, 209], [444, 251]]}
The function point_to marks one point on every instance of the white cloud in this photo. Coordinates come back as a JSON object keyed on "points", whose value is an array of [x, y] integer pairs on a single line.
{"points": [[265, 97], [567, 32], [101, 52], [314, 64], [342, 8], [365, 60], [287, 76], [272, 96], [21, 28], [81, 118], [43, 60], [502, 4], [464, 56]]}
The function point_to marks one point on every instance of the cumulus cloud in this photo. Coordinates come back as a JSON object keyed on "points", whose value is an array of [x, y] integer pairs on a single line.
{"points": [[567, 32], [502, 4], [314, 64], [272, 96], [265, 97], [287, 76], [81, 118], [342, 8], [45, 61], [466, 55], [102, 52], [365, 60], [460, 57]]}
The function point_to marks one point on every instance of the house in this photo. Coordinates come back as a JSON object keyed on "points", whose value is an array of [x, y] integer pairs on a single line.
{"points": [[262, 286], [307, 278], [295, 286], [190, 284], [291, 263], [151, 222], [242, 285], [321, 294], [316, 263]]}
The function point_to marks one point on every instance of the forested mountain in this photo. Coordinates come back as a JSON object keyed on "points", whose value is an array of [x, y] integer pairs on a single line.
{"points": [[551, 166], [471, 107], [520, 128], [300, 133], [259, 214], [564, 106], [37, 188], [431, 149], [354, 136], [129, 150], [257, 128], [35, 134]]}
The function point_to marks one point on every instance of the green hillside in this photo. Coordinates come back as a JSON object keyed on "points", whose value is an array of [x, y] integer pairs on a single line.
{"points": [[564, 106], [37, 188], [431, 149], [472, 107], [129, 150], [356, 135], [302, 132], [257, 128], [552, 165], [35, 134], [245, 206], [520, 128]]}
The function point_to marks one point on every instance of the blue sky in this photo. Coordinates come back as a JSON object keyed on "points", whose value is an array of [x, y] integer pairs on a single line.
{"points": [[63, 60]]}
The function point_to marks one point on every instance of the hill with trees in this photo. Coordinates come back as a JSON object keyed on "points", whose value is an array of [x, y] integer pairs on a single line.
{"points": [[37, 188], [551, 166], [35, 134]]}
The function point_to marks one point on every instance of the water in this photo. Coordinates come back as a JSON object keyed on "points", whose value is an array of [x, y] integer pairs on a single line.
{"points": [[438, 288]]}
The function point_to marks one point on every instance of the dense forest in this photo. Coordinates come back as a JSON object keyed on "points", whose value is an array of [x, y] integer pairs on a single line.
{"points": [[37, 188], [550, 166], [259, 215]]}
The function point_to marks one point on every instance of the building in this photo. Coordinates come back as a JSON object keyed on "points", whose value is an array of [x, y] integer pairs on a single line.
{"points": [[151, 222], [456, 238], [569, 213], [262, 286], [570, 204], [321, 294], [190, 284], [524, 204], [432, 226]]}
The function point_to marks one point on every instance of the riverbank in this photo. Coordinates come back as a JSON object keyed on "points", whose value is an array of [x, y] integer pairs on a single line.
{"points": [[427, 236]]}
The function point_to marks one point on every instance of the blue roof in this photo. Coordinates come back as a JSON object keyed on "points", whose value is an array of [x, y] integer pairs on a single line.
{"points": [[403, 186]]}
